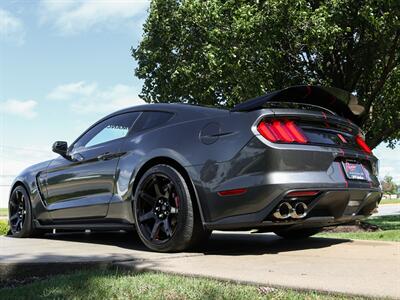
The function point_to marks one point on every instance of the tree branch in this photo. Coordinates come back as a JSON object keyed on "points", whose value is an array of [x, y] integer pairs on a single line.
{"points": [[375, 140], [386, 71]]}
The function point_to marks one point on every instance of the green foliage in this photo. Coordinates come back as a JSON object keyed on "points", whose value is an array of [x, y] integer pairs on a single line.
{"points": [[223, 52], [388, 186], [3, 227]]}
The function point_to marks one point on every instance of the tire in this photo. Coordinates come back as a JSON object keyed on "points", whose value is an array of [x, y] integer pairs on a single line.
{"points": [[20, 214], [297, 234], [165, 217]]}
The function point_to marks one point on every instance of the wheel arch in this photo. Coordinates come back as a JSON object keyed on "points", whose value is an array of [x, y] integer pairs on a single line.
{"points": [[173, 163], [15, 184]]}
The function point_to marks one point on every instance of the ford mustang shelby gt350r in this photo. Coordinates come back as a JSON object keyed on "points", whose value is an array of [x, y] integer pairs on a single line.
{"points": [[290, 162]]}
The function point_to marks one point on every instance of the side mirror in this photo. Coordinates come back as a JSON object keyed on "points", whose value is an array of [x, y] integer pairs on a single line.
{"points": [[61, 148]]}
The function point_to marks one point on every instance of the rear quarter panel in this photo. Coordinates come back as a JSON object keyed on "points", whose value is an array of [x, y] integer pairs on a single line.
{"points": [[189, 142]]}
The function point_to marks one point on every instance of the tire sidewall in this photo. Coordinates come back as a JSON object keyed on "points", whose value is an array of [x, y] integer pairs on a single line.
{"points": [[184, 230]]}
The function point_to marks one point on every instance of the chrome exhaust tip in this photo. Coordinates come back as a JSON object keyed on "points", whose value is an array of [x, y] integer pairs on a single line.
{"points": [[299, 211], [283, 211]]}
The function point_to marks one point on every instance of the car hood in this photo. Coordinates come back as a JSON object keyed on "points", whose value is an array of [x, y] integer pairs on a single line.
{"points": [[36, 168], [336, 100]]}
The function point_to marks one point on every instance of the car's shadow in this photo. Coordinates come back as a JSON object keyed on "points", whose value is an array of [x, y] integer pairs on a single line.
{"points": [[225, 243]]}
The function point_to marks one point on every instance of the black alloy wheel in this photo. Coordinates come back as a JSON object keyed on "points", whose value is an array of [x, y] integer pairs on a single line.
{"points": [[158, 208], [20, 213], [17, 212], [165, 218]]}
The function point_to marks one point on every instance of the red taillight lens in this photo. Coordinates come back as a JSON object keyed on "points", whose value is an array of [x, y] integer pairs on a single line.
{"points": [[360, 141], [296, 132], [281, 131], [266, 132]]}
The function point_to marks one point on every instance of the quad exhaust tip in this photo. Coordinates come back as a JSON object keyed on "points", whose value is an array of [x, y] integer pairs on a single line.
{"points": [[285, 210], [299, 211]]}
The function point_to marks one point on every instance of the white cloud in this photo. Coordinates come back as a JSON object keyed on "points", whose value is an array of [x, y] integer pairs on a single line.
{"points": [[86, 97], [71, 17], [11, 28], [66, 91], [25, 109]]}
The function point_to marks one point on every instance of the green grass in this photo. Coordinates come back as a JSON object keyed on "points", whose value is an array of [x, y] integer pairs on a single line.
{"points": [[386, 222], [389, 235], [3, 212], [3, 227], [390, 201], [114, 285], [390, 226]]}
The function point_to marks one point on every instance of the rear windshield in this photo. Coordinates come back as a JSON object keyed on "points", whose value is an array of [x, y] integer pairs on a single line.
{"points": [[151, 119]]}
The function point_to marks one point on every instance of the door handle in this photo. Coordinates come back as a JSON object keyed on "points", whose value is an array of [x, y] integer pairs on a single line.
{"points": [[106, 156]]}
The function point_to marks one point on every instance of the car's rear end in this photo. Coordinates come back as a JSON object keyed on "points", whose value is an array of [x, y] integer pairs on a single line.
{"points": [[304, 167]]}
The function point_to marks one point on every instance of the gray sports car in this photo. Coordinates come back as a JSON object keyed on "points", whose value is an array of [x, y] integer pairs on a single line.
{"points": [[290, 162]]}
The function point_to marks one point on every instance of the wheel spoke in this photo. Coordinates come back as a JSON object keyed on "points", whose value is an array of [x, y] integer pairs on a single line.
{"points": [[157, 190], [17, 225], [149, 199], [174, 210], [167, 190], [167, 228], [12, 202], [20, 197], [147, 216], [14, 216], [155, 229]]}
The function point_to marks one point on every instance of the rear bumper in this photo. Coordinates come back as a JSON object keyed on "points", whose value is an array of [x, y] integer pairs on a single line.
{"points": [[268, 173], [330, 207]]}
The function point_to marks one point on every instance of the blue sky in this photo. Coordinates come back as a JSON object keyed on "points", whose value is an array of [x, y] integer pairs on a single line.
{"points": [[65, 64]]}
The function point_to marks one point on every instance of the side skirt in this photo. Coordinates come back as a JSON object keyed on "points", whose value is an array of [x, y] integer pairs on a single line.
{"points": [[82, 226]]}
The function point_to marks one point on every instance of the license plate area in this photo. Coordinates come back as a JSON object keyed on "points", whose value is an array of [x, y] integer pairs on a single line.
{"points": [[354, 170]]}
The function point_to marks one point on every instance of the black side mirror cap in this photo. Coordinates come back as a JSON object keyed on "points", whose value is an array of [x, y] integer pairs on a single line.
{"points": [[60, 147]]}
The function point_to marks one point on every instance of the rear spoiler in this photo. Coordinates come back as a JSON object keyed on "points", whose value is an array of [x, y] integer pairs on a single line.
{"points": [[336, 100]]}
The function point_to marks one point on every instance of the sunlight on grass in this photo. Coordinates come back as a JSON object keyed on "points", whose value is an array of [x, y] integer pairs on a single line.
{"points": [[114, 285], [390, 201], [3, 227], [389, 225]]}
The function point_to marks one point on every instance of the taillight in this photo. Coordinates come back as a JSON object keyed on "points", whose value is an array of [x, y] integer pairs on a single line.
{"points": [[360, 141], [281, 131]]}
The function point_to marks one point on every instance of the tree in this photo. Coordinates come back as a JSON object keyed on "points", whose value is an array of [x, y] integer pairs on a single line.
{"points": [[388, 186], [223, 52]]}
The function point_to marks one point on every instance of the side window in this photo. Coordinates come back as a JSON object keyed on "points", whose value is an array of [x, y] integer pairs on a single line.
{"points": [[151, 119], [111, 129]]}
